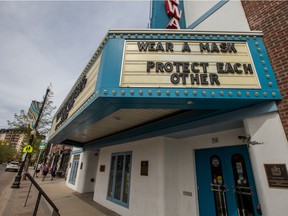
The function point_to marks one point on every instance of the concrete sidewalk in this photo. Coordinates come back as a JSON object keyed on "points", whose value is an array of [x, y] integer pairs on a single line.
{"points": [[69, 202]]}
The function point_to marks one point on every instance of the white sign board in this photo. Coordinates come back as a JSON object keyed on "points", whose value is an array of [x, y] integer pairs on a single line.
{"points": [[188, 64]]}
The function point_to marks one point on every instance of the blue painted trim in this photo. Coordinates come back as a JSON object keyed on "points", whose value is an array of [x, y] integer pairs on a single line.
{"points": [[74, 171], [202, 159], [111, 198], [114, 49], [208, 13], [109, 97]]}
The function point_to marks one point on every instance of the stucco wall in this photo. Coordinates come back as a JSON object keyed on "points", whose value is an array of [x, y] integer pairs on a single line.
{"points": [[171, 173], [86, 175], [267, 129], [229, 17], [172, 169], [144, 190]]}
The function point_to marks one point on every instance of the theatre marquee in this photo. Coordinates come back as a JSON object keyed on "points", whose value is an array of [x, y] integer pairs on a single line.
{"points": [[185, 64]]}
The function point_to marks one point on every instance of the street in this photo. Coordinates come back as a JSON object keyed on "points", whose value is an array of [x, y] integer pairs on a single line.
{"points": [[5, 178]]}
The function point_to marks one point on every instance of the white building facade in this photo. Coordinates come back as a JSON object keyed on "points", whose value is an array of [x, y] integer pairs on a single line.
{"points": [[184, 122]]}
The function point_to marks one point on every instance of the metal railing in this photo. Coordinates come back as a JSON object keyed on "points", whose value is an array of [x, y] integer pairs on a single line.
{"points": [[42, 193]]}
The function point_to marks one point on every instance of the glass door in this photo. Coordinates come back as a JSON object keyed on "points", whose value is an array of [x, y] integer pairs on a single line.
{"points": [[225, 182]]}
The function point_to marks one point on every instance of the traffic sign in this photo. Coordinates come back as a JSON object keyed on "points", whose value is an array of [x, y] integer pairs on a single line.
{"points": [[28, 149], [42, 144]]}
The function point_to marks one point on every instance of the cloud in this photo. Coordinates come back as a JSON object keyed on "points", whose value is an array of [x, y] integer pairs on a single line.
{"points": [[51, 42]]}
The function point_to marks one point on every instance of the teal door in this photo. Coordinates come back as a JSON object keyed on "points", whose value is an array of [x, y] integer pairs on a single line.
{"points": [[225, 182]]}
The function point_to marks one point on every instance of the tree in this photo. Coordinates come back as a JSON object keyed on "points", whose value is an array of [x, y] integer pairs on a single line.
{"points": [[43, 127], [7, 152], [45, 121]]}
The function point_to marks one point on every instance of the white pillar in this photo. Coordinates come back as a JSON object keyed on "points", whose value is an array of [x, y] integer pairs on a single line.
{"points": [[87, 171], [267, 128]]}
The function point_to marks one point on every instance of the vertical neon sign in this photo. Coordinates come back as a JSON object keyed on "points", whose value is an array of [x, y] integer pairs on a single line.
{"points": [[173, 10]]}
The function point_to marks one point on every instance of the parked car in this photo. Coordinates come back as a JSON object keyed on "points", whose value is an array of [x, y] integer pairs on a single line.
{"points": [[12, 166]]}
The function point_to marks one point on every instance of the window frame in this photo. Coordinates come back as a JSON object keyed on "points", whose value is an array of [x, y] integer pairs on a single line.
{"points": [[74, 169], [113, 175]]}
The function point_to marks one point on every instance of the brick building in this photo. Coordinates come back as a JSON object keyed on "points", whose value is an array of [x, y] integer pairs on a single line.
{"points": [[58, 157], [271, 17], [13, 137]]}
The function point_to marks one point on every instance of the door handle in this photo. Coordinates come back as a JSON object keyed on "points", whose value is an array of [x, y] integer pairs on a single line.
{"points": [[219, 188], [245, 190], [244, 193], [243, 187]]}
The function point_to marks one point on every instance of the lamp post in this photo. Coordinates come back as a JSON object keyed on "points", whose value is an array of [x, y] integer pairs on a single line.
{"points": [[16, 183]]}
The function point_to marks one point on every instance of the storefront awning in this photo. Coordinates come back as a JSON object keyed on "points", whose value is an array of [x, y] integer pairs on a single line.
{"points": [[143, 81]]}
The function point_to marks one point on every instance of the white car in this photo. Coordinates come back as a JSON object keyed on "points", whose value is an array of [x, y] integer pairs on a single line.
{"points": [[12, 166]]}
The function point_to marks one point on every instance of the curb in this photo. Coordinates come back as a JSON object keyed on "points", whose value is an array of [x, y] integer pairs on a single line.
{"points": [[5, 198]]}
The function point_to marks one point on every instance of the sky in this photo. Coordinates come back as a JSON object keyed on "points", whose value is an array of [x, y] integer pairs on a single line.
{"points": [[50, 42]]}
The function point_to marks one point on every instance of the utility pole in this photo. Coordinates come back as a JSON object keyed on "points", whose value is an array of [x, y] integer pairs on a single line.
{"points": [[16, 183]]}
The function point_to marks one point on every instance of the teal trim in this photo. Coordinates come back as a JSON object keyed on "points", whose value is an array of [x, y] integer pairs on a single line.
{"points": [[194, 104], [74, 170], [73, 143], [208, 13], [114, 53], [114, 184], [204, 179], [160, 19]]}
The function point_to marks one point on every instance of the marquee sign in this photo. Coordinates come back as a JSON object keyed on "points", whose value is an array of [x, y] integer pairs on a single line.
{"points": [[63, 113], [193, 64], [157, 73], [82, 90]]}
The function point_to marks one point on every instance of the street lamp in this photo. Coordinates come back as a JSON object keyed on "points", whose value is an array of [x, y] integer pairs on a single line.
{"points": [[16, 183]]}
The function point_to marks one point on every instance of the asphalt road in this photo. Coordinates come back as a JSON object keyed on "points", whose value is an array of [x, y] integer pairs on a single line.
{"points": [[5, 178]]}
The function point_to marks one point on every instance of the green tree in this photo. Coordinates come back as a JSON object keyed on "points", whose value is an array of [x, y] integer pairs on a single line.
{"points": [[43, 127], [7, 152], [45, 120]]}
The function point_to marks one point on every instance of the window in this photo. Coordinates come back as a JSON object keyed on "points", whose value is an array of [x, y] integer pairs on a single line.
{"points": [[119, 178], [74, 169], [218, 186]]}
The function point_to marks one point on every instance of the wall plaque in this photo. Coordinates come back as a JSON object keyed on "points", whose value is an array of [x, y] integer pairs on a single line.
{"points": [[144, 168], [277, 175], [102, 168]]}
